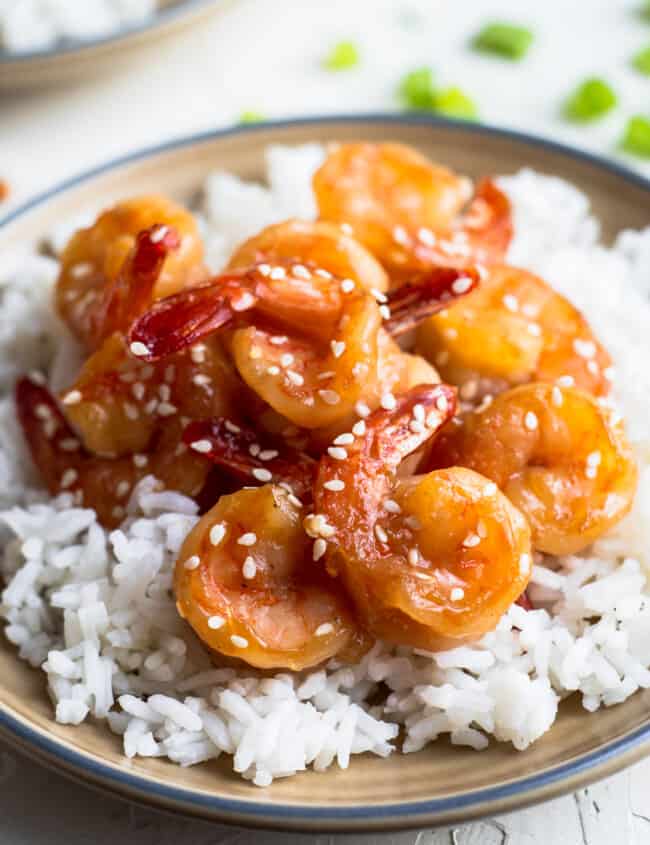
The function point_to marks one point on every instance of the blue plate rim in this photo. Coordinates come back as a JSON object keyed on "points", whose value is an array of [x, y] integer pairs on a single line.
{"points": [[398, 815], [160, 18]]}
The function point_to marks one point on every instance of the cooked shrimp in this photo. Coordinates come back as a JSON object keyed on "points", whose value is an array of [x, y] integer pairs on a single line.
{"points": [[310, 348], [103, 484], [318, 244], [430, 560], [407, 210], [247, 584], [557, 455], [102, 286], [513, 329]]}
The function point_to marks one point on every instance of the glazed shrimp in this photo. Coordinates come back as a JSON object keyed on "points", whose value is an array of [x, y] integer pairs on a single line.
{"points": [[309, 346], [559, 456], [246, 582], [431, 560], [513, 329], [407, 210], [318, 244], [103, 484], [101, 288]]}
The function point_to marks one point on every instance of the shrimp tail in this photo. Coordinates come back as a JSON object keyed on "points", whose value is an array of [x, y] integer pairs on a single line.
{"points": [[488, 220], [238, 451], [396, 434], [525, 602], [131, 291], [434, 290], [46, 431]]}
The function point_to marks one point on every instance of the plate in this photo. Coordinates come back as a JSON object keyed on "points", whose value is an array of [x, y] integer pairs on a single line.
{"points": [[441, 784], [67, 61]]}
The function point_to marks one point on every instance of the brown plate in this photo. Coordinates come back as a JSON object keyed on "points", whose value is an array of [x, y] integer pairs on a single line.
{"points": [[70, 60], [441, 784]]}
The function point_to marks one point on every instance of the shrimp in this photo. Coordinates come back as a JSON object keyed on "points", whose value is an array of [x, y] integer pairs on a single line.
{"points": [[407, 210], [557, 454], [102, 287], [513, 329], [307, 345], [317, 244], [246, 582], [101, 483], [431, 560]]}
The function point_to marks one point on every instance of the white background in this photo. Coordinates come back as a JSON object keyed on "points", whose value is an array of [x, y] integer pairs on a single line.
{"points": [[264, 55]]}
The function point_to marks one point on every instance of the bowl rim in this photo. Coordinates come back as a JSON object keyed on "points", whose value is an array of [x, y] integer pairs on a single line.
{"points": [[160, 19], [548, 783]]}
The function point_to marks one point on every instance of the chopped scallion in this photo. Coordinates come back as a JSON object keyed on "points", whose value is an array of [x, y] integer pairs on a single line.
{"points": [[455, 103], [251, 117], [504, 39], [342, 56], [641, 61], [636, 139], [592, 99], [417, 90]]}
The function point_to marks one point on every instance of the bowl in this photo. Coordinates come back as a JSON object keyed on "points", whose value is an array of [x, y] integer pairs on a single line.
{"points": [[442, 784], [76, 59]]}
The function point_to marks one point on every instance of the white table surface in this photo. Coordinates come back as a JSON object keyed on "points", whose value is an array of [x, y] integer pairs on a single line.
{"points": [[263, 55]]}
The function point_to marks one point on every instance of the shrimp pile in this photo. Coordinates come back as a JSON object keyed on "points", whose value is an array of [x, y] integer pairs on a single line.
{"points": [[383, 424]]}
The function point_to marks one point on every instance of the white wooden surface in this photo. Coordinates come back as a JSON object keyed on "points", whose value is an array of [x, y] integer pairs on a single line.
{"points": [[263, 55]]}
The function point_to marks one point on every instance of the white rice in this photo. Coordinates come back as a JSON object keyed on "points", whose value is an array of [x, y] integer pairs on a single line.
{"points": [[29, 25], [93, 608]]}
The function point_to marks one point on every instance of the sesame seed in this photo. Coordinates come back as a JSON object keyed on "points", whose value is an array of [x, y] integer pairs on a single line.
{"points": [[158, 234], [68, 478], [384, 311], [69, 444], [37, 377], [359, 428], [345, 227], [565, 381], [593, 368], [192, 562], [609, 373], [294, 500], [529, 309], [278, 273], [131, 411], [426, 236], [249, 569], [84, 268], [319, 548], [166, 409], [413, 523], [530, 421], [337, 452], [324, 629], [216, 622], [381, 534], [325, 374], [469, 389], [379, 296], [347, 285], [594, 459], [217, 533], [433, 420], [255, 353], [118, 512], [524, 564], [413, 556], [391, 506], [72, 398], [338, 348], [457, 594], [534, 329], [203, 446], [139, 349], [322, 273], [490, 489], [300, 271], [388, 402], [243, 302], [344, 439], [197, 353], [140, 460], [336, 485], [471, 541], [461, 285], [556, 396], [418, 412], [416, 426], [584, 348], [295, 378], [254, 449], [273, 370], [164, 391], [138, 390], [239, 642], [232, 427], [261, 474], [330, 397], [362, 409], [122, 489], [287, 359], [400, 235], [511, 302], [442, 403], [268, 454], [264, 269], [248, 539], [591, 472], [278, 339], [201, 380]]}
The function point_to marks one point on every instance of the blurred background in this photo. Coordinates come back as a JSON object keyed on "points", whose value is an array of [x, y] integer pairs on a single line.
{"points": [[234, 60], [577, 71]]}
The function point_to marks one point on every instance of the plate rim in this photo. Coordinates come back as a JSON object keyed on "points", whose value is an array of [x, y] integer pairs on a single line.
{"points": [[548, 783], [161, 18]]}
